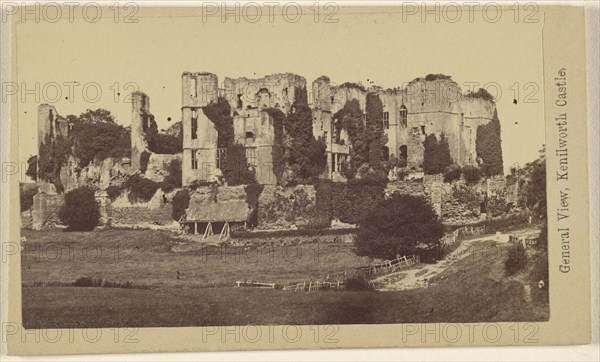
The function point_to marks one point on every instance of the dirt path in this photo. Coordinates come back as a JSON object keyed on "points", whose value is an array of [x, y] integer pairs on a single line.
{"points": [[419, 277]]}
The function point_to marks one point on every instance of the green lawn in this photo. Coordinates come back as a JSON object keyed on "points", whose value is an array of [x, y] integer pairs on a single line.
{"points": [[472, 290]]}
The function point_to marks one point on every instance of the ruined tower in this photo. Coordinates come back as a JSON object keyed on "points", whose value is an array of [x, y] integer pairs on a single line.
{"points": [[140, 122], [199, 134]]}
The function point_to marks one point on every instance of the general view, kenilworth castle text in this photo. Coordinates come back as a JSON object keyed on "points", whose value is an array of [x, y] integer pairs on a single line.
{"points": [[407, 180]]}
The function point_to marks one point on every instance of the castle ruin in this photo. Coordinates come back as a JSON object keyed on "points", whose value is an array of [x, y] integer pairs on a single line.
{"points": [[425, 106]]}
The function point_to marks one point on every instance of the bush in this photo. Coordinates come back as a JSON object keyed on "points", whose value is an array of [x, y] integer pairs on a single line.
{"points": [[97, 135], [436, 154], [452, 172], [181, 201], [26, 194], [140, 188], [350, 200], [173, 179], [80, 211], [374, 132], [165, 144], [32, 167], [396, 226], [489, 148], [358, 284], [543, 238], [113, 192], [515, 260], [471, 174]]}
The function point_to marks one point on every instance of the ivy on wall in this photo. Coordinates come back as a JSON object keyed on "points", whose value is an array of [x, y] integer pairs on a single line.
{"points": [[436, 154], [219, 113], [489, 148]]}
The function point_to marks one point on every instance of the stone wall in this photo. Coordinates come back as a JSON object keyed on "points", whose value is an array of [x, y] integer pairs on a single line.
{"points": [[44, 213], [441, 197], [142, 217], [45, 210], [286, 207]]}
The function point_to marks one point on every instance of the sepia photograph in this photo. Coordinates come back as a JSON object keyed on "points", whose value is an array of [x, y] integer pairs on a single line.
{"points": [[292, 166]]}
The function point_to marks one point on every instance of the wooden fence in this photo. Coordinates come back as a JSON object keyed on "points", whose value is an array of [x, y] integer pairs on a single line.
{"points": [[337, 280], [451, 238]]}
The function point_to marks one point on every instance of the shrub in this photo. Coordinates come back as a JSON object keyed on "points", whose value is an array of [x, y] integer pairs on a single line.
{"points": [[396, 226], [489, 148], [481, 93], [350, 200], [181, 201], [350, 118], [533, 185], [515, 260], [80, 211], [465, 195], [140, 188], [113, 192], [26, 194], [219, 113], [194, 185], [358, 284], [165, 144], [32, 167], [97, 135], [144, 159], [471, 174], [543, 238], [452, 172], [436, 154], [496, 205], [304, 155], [402, 174], [278, 118], [173, 179]]}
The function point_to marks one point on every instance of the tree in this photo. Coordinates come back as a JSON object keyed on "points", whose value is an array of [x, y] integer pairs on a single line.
{"points": [[350, 118], [26, 194], [32, 167], [80, 211], [173, 179], [140, 188], [516, 259], [300, 155], [219, 113], [162, 143], [53, 154], [452, 173], [96, 135], [98, 116], [180, 203], [375, 135], [436, 155], [396, 226], [277, 153], [489, 148], [533, 185], [471, 174]]}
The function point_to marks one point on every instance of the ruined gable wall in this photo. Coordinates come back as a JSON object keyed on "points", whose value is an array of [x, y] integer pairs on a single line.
{"points": [[281, 91], [140, 109]]}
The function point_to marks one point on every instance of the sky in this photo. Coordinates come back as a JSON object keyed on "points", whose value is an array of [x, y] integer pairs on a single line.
{"points": [[151, 55]]}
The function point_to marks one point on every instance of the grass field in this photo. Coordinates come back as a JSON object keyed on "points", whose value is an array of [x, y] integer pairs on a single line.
{"points": [[472, 290], [144, 258]]}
